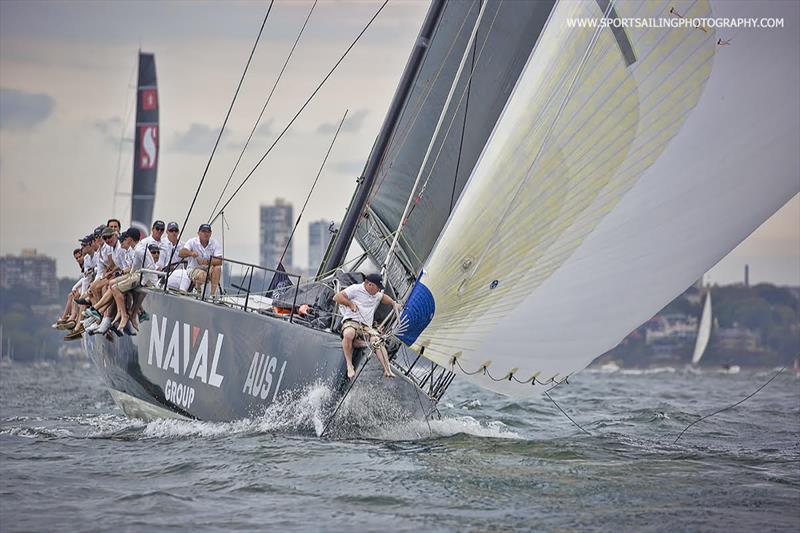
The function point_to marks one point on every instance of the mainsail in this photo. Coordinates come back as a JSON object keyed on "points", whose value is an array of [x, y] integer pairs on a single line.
{"points": [[145, 153], [703, 331], [619, 171]]}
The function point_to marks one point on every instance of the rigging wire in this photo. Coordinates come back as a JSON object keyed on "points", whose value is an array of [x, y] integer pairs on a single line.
{"points": [[439, 122], [266, 103], [302, 108], [222, 129], [308, 197], [730, 406], [125, 120], [565, 413], [463, 126], [431, 84]]}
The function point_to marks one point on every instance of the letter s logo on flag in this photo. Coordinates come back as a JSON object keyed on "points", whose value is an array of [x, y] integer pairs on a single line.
{"points": [[148, 146]]}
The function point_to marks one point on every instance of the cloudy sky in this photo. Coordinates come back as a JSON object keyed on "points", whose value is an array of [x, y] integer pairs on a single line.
{"points": [[67, 88]]}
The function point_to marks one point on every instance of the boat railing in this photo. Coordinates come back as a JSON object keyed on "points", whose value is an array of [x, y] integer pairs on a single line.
{"points": [[250, 287], [431, 378]]}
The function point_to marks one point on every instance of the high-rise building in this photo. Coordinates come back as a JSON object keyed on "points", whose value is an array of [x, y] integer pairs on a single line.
{"points": [[31, 271], [275, 227], [319, 235]]}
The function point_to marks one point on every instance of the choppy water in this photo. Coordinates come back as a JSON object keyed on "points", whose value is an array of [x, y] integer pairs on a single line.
{"points": [[70, 461]]}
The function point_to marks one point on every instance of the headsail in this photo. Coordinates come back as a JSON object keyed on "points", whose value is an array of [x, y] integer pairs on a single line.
{"points": [[505, 37], [703, 331], [618, 173], [145, 153]]}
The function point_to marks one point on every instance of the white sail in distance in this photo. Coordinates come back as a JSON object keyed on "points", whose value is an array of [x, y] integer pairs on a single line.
{"points": [[703, 331], [623, 167]]}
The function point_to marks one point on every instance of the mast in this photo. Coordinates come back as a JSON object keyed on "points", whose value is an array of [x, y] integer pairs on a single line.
{"points": [[145, 153], [347, 230]]}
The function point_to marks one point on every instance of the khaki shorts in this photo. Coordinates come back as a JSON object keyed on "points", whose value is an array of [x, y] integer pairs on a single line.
{"points": [[363, 331], [196, 275], [127, 282], [130, 281]]}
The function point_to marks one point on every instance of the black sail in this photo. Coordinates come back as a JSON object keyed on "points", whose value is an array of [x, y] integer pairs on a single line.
{"points": [[146, 148], [506, 36]]}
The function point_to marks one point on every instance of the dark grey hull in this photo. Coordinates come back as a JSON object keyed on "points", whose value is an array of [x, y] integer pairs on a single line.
{"points": [[198, 360]]}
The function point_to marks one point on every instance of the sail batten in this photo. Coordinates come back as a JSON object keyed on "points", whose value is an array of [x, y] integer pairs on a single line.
{"points": [[583, 215]]}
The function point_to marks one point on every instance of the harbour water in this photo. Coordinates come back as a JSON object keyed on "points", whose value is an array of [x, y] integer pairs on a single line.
{"points": [[69, 460]]}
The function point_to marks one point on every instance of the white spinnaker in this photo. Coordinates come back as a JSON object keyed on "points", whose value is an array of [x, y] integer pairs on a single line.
{"points": [[590, 218], [703, 332]]}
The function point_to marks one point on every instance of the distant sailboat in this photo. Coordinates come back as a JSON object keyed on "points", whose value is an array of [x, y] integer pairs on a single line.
{"points": [[703, 332], [146, 145]]}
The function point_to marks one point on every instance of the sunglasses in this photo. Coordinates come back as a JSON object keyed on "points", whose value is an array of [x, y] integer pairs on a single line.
{"points": [[173, 231], [107, 237]]}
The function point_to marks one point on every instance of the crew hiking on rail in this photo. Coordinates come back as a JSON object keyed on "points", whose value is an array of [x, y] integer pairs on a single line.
{"points": [[112, 264]]}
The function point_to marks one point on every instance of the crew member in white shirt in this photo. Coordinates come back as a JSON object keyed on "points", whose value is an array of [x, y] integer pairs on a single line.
{"points": [[173, 231], [203, 252], [107, 268], [114, 224], [157, 237], [178, 276], [144, 257], [90, 267], [357, 305]]}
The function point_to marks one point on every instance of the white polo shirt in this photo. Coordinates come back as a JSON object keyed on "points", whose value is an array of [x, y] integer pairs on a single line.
{"points": [[99, 266], [88, 265], [163, 243], [107, 250], [143, 258], [176, 258], [366, 302], [125, 258], [118, 255], [193, 245]]}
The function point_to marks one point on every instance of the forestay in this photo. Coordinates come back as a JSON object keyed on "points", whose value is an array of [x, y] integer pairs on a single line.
{"points": [[618, 173]]}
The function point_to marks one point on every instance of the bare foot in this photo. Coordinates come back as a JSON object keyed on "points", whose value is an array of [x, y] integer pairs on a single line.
{"points": [[351, 372], [388, 375]]}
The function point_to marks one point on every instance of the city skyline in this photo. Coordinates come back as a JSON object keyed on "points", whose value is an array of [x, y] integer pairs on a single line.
{"points": [[274, 231]]}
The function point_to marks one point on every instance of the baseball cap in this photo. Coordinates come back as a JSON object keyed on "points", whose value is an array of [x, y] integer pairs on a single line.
{"points": [[108, 231], [376, 279], [153, 247], [158, 224], [172, 225], [98, 231], [204, 227]]}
